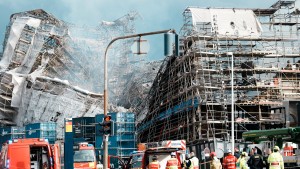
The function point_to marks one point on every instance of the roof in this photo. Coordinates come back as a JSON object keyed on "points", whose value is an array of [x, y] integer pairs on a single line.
{"points": [[226, 22], [38, 14]]}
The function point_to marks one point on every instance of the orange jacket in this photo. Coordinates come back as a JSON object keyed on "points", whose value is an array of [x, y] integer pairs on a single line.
{"points": [[172, 163], [229, 162], [288, 151], [154, 165]]}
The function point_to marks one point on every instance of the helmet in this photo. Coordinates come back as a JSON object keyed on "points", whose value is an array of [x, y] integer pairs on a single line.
{"points": [[276, 148], [213, 154], [173, 154], [244, 154], [229, 151], [154, 157]]}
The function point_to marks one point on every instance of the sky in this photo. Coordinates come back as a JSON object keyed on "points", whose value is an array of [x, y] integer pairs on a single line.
{"points": [[155, 14]]}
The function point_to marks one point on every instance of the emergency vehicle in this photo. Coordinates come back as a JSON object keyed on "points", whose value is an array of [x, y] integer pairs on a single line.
{"points": [[84, 156], [265, 140], [141, 159], [31, 153]]}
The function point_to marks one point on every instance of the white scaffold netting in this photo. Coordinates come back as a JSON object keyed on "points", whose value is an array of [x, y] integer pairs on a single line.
{"points": [[227, 22]]}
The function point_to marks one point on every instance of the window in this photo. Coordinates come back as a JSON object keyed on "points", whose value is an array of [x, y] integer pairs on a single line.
{"points": [[84, 156]]}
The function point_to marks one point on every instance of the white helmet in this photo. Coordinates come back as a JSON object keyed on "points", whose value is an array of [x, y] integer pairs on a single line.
{"points": [[173, 154], [229, 151]]}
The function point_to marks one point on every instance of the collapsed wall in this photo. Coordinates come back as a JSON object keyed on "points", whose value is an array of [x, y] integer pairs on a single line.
{"points": [[39, 73], [51, 70]]}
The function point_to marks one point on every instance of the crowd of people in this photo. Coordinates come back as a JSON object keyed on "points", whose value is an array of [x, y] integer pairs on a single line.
{"points": [[234, 160], [254, 161]]}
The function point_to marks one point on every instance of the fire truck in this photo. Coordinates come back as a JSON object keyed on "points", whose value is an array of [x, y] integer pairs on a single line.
{"points": [[142, 157], [31, 153], [265, 140], [84, 156]]}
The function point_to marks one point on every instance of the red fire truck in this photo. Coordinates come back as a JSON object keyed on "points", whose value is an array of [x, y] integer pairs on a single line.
{"points": [[142, 158], [85, 157], [31, 153]]}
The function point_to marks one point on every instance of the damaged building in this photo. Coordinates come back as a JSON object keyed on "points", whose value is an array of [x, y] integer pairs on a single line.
{"points": [[51, 69], [39, 73], [191, 97]]}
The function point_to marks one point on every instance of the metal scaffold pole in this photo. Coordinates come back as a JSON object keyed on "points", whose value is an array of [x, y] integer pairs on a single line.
{"points": [[232, 102]]}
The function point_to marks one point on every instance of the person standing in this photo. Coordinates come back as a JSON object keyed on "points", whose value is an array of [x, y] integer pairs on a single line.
{"points": [[229, 161], [243, 161], [194, 161], [288, 150], [173, 162], [215, 162], [154, 164], [256, 160], [268, 152], [237, 152], [275, 159], [187, 162]]}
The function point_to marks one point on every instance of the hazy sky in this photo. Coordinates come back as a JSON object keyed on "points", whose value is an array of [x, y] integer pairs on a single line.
{"points": [[156, 14]]}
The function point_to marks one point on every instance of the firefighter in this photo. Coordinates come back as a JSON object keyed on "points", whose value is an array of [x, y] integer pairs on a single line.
{"points": [[268, 152], [194, 161], [243, 161], [215, 162], [275, 159], [229, 161], [256, 160], [154, 164], [173, 162], [288, 150]]}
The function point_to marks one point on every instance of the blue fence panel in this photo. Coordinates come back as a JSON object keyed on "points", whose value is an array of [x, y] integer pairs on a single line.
{"points": [[46, 130], [11, 132], [84, 127], [123, 142]]}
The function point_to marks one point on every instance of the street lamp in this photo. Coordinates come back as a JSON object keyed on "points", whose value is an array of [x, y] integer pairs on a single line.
{"points": [[232, 103], [105, 137]]}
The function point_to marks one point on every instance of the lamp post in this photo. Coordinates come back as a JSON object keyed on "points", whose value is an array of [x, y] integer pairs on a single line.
{"points": [[105, 137], [232, 103]]}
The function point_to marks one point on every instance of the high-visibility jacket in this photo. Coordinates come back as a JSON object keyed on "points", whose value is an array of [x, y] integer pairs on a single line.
{"points": [[229, 162], [215, 164], [154, 165], [172, 163], [194, 163], [288, 151], [243, 163], [276, 161]]}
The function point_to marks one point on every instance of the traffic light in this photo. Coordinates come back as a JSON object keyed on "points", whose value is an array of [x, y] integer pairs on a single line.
{"points": [[108, 125]]}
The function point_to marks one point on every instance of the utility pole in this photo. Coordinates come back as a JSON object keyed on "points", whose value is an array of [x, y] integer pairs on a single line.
{"points": [[232, 102], [105, 136]]}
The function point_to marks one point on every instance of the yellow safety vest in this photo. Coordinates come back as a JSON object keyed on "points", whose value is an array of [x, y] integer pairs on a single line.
{"points": [[194, 163], [276, 161], [243, 163], [215, 164]]}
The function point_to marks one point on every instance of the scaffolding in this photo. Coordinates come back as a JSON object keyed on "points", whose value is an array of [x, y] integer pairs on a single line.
{"points": [[50, 68], [191, 95]]}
